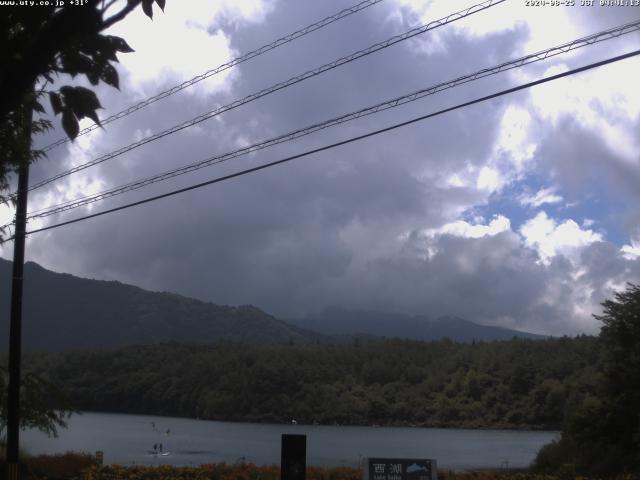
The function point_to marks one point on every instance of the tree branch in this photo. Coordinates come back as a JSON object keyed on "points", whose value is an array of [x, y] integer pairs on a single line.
{"points": [[120, 15], [107, 6]]}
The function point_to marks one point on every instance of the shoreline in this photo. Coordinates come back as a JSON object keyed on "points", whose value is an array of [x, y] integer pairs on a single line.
{"points": [[448, 426]]}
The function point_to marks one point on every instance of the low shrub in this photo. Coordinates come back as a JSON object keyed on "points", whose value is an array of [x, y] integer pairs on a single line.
{"points": [[59, 467]]}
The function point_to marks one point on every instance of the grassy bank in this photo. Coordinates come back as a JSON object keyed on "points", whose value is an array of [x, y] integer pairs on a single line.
{"points": [[252, 472]]}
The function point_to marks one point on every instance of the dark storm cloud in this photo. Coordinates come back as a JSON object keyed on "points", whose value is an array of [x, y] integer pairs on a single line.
{"points": [[344, 227]]}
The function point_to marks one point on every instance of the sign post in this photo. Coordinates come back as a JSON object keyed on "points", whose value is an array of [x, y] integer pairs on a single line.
{"points": [[15, 470], [400, 469], [293, 463]]}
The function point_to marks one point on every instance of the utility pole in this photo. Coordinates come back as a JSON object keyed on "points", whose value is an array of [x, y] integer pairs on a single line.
{"points": [[15, 327]]}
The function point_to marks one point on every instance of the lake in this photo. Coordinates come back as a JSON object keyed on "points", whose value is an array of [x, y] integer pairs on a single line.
{"points": [[127, 440]]}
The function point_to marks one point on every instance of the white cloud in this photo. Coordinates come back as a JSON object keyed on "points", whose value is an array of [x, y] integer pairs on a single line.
{"points": [[543, 29], [182, 43], [513, 144], [498, 224], [632, 250], [549, 237], [586, 98], [489, 179], [237, 11], [541, 197], [511, 154], [455, 180]]}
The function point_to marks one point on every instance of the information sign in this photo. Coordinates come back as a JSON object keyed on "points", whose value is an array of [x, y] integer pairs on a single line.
{"points": [[400, 469]]}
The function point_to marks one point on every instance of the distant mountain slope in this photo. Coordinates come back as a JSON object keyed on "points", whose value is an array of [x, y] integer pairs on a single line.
{"points": [[338, 321], [62, 312]]}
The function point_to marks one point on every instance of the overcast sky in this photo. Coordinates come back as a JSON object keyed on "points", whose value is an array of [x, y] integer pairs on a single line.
{"points": [[523, 211]]}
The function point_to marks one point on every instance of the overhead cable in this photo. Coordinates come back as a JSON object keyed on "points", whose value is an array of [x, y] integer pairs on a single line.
{"points": [[225, 66], [343, 142], [388, 104], [279, 86]]}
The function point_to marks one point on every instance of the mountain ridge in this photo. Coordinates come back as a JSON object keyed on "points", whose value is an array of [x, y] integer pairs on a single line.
{"points": [[65, 312], [341, 321]]}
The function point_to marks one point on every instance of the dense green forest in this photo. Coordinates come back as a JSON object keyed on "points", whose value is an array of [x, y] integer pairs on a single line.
{"points": [[601, 434], [511, 384]]}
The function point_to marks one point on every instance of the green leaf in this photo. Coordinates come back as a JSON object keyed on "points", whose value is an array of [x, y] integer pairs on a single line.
{"points": [[108, 51], [56, 102], [82, 102], [88, 97], [93, 77], [70, 124], [109, 76], [40, 125], [94, 116], [120, 44], [74, 63], [147, 8], [38, 107]]}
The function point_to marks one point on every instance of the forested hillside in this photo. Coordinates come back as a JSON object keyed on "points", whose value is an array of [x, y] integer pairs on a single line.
{"points": [[63, 312], [517, 383]]}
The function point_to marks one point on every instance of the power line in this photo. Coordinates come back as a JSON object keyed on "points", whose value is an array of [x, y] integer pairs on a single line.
{"points": [[225, 66], [279, 86], [343, 142], [388, 104]]}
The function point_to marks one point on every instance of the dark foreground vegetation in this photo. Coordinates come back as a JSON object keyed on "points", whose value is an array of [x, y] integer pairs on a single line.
{"points": [[74, 466], [601, 434], [514, 384]]}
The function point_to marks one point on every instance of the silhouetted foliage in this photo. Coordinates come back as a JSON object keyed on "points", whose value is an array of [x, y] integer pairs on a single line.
{"points": [[601, 434], [61, 466], [38, 396], [39, 43]]}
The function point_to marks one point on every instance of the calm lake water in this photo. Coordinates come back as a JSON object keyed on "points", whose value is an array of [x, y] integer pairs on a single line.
{"points": [[127, 439]]}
